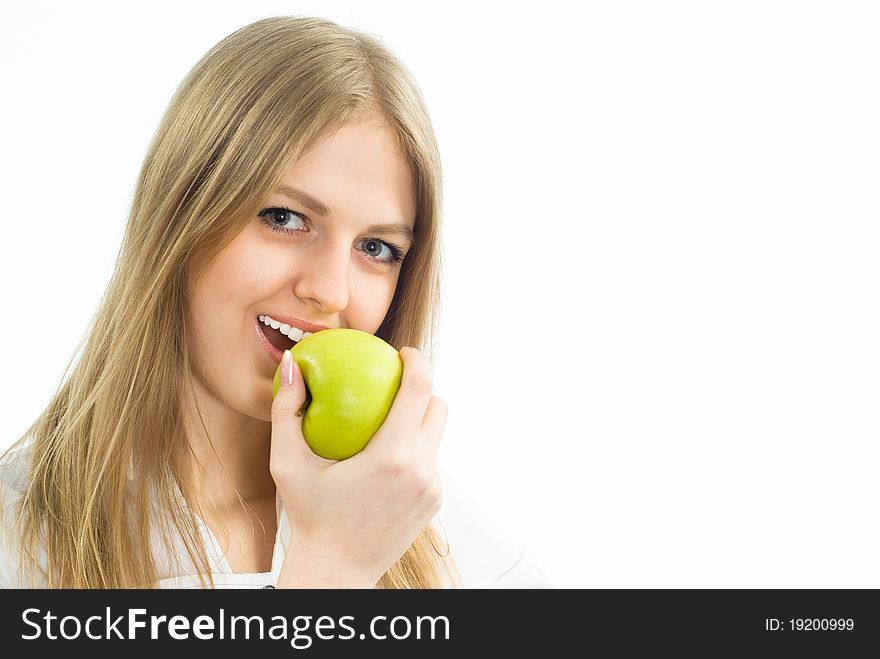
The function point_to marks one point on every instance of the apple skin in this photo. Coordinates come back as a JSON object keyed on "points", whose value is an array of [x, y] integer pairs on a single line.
{"points": [[352, 378]]}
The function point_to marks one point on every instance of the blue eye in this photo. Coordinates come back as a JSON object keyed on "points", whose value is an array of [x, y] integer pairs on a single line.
{"points": [[373, 249], [269, 215]]}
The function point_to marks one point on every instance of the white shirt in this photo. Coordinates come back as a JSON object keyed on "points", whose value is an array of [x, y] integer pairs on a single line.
{"points": [[485, 557]]}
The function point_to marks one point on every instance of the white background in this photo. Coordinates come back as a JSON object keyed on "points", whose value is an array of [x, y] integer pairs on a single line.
{"points": [[660, 330]]}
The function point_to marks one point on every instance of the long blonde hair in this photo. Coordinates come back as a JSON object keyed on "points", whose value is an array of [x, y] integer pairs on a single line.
{"points": [[240, 118]]}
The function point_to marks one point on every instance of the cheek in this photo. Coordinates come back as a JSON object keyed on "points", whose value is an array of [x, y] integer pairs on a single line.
{"points": [[370, 302], [246, 270], [229, 285]]}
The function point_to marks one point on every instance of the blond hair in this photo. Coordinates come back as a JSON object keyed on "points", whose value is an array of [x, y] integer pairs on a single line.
{"points": [[238, 121]]}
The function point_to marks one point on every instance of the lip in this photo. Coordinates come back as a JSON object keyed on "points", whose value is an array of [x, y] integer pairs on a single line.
{"points": [[304, 325], [274, 353]]}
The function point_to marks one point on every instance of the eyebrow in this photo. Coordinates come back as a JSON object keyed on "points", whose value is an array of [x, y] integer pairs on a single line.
{"points": [[317, 207]]}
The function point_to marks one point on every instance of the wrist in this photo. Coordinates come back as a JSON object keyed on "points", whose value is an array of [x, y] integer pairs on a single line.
{"points": [[301, 572]]}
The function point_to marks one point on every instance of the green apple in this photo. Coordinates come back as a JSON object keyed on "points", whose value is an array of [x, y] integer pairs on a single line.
{"points": [[351, 380]]}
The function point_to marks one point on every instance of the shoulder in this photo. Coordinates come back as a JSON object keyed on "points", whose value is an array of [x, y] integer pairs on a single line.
{"points": [[486, 556], [14, 468]]}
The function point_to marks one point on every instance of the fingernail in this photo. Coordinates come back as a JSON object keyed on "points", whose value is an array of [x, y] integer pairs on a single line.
{"points": [[286, 369]]}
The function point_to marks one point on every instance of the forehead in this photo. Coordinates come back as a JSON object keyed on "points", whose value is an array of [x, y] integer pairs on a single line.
{"points": [[358, 168]]}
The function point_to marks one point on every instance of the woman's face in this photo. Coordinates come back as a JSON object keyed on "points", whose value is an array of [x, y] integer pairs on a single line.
{"points": [[322, 250]]}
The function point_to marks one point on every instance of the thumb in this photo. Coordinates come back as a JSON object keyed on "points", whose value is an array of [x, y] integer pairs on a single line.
{"points": [[288, 443]]}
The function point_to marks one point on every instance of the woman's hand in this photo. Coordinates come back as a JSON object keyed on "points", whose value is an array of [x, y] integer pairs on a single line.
{"points": [[351, 520]]}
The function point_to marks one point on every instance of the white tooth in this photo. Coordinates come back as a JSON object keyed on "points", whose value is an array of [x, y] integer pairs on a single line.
{"points": [[306, 334], [295, 333], [275, 324], [260, 318], [265, 320], [285, 328]]}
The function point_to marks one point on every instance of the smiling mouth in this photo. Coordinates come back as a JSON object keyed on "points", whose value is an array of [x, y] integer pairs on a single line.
{"points": [[281, 336], [276, 337]]}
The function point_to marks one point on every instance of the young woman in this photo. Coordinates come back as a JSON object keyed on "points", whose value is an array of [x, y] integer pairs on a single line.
{"points": [[293, 186]]}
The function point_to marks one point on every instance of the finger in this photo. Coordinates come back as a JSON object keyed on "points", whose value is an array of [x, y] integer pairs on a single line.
{"points": [[433, 426], [288, 446], [409, 406]]}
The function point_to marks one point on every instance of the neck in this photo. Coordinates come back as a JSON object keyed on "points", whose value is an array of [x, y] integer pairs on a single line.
{"points": [[229, 454]]}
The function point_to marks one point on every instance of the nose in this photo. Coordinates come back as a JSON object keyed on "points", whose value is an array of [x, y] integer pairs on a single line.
{"points": [[323, 278]]}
